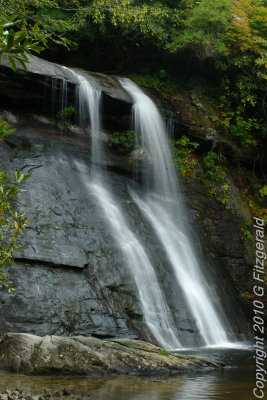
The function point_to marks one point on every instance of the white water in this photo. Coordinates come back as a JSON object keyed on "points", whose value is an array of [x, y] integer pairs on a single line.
{"points": [[89, 100], [164, 209], [155, 309], [156, 312], [89, 105]]}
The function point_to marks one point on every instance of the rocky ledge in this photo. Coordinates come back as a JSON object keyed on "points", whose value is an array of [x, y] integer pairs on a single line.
{"points": [[30, 354]]}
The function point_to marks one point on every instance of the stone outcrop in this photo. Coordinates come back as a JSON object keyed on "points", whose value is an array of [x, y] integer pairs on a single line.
{"points": [[38, 90], [89, 356], [47, 69]]}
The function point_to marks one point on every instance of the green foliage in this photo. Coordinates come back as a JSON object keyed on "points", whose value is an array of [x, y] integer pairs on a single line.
{"points": [[263, 191], [254, 182], [245, 129], [213, 178], [28, 25], [233, 35], [162, 81], [135, 19], [3, 130], [203, 28], [183, 150], [164, 353], [66, 114], [12, 223], [124, 141], [240, 111], [246, 234], [17, 43], [253, 188], [213, 170]]}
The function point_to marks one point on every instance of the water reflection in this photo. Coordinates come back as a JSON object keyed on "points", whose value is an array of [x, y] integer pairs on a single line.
{"points": [[234, 383]]}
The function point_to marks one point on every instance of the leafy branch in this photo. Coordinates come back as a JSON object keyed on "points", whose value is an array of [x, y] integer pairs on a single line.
{"points": [[12, 223]]}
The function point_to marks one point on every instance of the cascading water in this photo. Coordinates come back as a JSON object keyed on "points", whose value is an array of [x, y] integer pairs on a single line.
{"points": [[89, 100], [164, 209], [156, 312]]}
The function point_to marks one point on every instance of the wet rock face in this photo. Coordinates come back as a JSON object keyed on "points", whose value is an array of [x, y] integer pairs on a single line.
{"points": [[74, 276], [89, 356], [228, 263], [70, 277]]}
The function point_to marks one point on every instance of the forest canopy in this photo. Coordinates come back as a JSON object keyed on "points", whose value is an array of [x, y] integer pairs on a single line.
{"points": [[164, 42], [230, 37]]}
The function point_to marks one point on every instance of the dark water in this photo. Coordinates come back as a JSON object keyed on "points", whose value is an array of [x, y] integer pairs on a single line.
{"points": [[235, 382]]}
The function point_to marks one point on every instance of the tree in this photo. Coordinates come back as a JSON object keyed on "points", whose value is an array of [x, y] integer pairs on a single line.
{"points": [[16, 41], [233, 35]]}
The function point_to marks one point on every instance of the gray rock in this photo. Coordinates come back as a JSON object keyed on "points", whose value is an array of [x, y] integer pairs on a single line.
{"points": [[90, 356]]}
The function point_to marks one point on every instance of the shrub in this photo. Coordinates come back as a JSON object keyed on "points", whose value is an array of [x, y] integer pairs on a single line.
{"points": [[184, 155], [124, 141]]}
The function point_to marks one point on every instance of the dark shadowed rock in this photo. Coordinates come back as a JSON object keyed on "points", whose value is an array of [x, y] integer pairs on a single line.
{"points": [[39, 66]]}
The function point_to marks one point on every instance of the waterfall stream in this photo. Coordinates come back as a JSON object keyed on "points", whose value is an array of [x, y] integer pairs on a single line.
{"points": [[163, 208], [156, 312]]}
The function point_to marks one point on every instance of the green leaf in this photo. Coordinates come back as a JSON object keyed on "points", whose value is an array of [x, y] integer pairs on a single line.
{"points": [[23, 178], [17, 175], [22, 63], [12, 63], [7, 133], [10, 39]]}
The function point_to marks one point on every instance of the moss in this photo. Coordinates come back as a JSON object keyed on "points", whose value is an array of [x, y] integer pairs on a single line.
{"points": [[164, 353]]}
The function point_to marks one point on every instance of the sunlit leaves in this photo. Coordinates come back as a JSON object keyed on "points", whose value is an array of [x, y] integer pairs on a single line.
{"points": [[33, 25], [3, 130], [154, 21], [17, 43], [12, 223]]}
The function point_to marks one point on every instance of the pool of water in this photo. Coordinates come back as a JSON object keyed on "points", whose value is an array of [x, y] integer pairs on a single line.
{"points": [[234, 382]]}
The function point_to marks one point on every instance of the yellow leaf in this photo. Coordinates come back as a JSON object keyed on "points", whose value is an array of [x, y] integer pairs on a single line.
{"points": [[16, 225]]}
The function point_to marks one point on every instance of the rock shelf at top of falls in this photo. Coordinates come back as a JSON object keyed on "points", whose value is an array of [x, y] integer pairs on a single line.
{"points": [[80, 355], [36, 65]]}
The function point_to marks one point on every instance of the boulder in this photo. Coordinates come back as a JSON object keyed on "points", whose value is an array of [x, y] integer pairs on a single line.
{"points": [[80, 355]]}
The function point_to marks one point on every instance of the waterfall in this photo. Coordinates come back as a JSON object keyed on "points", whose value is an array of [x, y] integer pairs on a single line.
{"points": [[156, 312], [155, 309], [163, 208], [89, 100]]}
